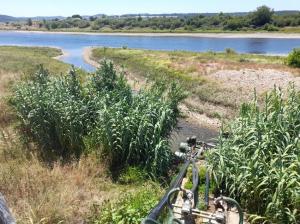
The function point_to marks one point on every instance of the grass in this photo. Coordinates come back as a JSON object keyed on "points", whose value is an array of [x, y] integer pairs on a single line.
{"points": [[193, 71], [132, 207], [67, 118], [38, 191], [24, 60], [258, 164]]}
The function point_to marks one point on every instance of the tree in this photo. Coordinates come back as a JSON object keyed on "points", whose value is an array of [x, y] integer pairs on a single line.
{"points": [[261, 16], [92, 18], [76, 16], [29, 22]]}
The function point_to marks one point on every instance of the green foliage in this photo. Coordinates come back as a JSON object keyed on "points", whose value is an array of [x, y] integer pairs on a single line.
{"points": [[29, 22], [230, 51], [293, 58], [259, 163], [132, 175], [76, 16], [189, 175], [270, 27], [235, 23], [53, 112], [191, 23], [131, 208], [67, 117], [261, 16]]}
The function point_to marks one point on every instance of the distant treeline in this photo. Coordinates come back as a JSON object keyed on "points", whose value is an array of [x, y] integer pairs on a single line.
{"points": [[263, 18]]}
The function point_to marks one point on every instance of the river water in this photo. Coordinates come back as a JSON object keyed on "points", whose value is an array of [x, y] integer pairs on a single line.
{"points": [[73, 44]]}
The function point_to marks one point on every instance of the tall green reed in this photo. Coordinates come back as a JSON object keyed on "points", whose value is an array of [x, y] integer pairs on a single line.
{"points": [[67, 117], [259, 163]]}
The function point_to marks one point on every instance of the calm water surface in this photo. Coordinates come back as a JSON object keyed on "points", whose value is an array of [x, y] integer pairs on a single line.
{"points": [[74, 44]]}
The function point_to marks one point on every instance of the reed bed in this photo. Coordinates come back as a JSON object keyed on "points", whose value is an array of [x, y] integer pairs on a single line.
{"points": [[67, 117], [259, 162]]}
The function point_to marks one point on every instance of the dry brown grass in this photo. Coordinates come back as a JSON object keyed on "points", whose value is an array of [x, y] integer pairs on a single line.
{"points": [[37, 192], [58, 193]]}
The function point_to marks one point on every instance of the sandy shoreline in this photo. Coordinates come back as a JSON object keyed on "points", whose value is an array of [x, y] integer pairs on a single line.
{"points": [[87, 53], [209, 35]]}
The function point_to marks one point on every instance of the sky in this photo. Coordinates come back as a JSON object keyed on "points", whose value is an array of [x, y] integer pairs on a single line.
{"points": [[117, 7]]}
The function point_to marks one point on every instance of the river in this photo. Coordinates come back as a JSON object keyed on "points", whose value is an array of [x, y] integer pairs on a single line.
{"points": [[74, 44]]}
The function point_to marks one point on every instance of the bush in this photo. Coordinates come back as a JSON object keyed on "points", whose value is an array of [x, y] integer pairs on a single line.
{"points": [[261, 16], [131, 208], [132, 175], [230, 51], [293, 58], [67, 117], [83, 24], [270, 27], [259, 163], [234, 24]]}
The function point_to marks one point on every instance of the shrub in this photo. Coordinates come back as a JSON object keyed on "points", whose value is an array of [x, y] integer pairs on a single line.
{"points": [[132, 175], [234, 24], [67, 117], [131, 208], [293, 58], [259, 163], [230, 51], [270, 27]]}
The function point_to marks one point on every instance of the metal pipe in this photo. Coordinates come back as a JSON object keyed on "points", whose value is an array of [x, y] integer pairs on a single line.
{"points": [[232, 201], [154, 213]]}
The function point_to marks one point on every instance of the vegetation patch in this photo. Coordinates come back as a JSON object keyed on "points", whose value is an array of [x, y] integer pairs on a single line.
{"points": [[258, 164], [26, 59], [132, 207], [293, 58], [67, 117], [263, 18]]}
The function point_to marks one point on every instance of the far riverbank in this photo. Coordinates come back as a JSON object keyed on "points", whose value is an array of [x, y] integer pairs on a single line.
{"points": [[209, 35]]}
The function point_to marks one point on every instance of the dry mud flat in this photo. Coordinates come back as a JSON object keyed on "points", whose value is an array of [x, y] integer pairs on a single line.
{"points": [[262, 80]]}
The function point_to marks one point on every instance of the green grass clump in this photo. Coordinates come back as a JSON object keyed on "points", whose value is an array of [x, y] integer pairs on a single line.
{"points": [[293, 58], [131, 208], [67, 117], [132, 175], [259, 163]]}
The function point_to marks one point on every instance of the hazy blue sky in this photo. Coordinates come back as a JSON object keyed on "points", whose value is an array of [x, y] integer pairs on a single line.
{"points": [[89, 7]]}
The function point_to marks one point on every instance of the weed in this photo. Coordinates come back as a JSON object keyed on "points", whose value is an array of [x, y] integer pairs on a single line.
{"points": [[258, 164], [131, 208], [293, 58]]}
